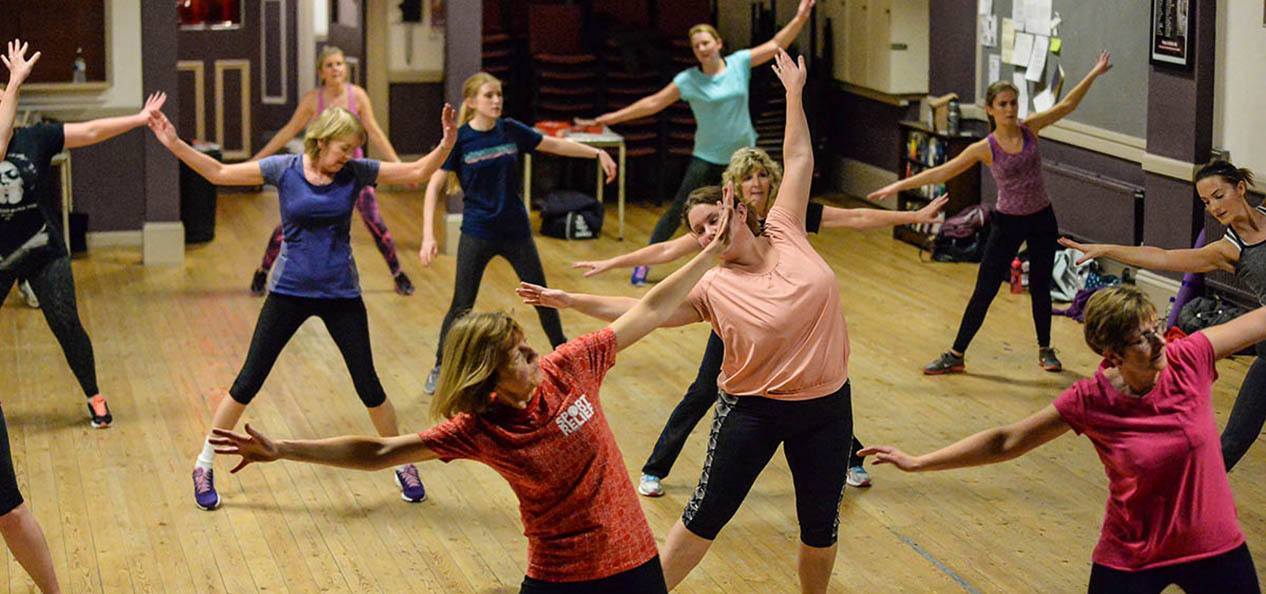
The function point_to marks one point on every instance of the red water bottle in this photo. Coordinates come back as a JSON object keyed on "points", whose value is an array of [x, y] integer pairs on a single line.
{"points": [[1015, 276]]}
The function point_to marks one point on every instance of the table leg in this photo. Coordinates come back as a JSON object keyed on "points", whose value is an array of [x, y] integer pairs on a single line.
{"points": [[620, 194]]}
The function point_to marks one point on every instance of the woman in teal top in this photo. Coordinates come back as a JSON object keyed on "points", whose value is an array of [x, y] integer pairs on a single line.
{"points": [[717, 91]]}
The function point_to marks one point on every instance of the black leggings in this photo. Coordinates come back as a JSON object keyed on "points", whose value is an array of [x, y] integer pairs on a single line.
{"points": [[473, 255], [699, 173], [694, 405], [281, 317], [51, 279], [1006, 234], [1231, 572], [10, 497], [746, 431], [647, 578], [1248, 413]]}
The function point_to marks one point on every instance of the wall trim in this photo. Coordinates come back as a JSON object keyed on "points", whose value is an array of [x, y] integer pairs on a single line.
{"points": [[199, 94], [1175, 168], [163, 243], [880, 96], [97, 239], [264, 97], [244, 67], [1099, 140]]}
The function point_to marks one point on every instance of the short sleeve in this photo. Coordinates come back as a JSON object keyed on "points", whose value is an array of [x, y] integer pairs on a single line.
{"points": [[525, 137], [1071, 405], [365, 170], [685, 85], [51, 139], [698, 297], [741, 60], [454, 158], [452, 439], [1195, 352], [587, 357], [813, 217], [781, 221], [272, 168]]}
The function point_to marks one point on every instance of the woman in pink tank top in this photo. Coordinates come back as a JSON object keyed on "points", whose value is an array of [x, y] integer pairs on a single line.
{"points": [[332, 70], [1024, 213]]}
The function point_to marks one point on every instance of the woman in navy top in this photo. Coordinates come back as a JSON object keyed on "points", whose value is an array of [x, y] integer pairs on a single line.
{"points": [[315, 274]]}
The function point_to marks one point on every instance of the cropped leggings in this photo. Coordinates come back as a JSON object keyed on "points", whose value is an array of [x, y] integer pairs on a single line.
{"points": [[281, 317], [1248, 413], [51, 279], [1006, 234], [367, 204]]}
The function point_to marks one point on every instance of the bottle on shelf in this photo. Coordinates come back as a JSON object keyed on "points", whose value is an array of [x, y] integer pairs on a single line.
{"points": [[79, 72], [1016, 283], [954, 117]]}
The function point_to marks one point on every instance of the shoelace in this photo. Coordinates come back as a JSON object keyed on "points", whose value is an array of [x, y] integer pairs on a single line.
{"points": [[202, 481], [409, 477]]}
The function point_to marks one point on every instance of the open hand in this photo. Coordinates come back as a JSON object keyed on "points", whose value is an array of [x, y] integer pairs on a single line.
{"points": [[448, 123], [806, 7], [891, 455], [252, 447], [790, 72], [1102, 63], [162, 128], [17, 63], [1089, 251], [883, 193], [538, 296], [153, 103], [928, 213], [724, 232], [595, 267]]}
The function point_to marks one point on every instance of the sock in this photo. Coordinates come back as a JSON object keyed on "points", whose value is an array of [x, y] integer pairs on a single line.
{"points": [[207, 457]]}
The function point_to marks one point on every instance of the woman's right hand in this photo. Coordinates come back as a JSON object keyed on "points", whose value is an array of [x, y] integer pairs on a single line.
{"points": [[721, 240], [429, 249], [595, 267], [1090, 251], [891, 455], [538, 296], [252, 447], [17, 63], [162, 128], [883, 193]]}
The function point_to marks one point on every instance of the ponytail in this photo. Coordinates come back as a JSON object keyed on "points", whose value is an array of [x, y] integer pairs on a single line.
{"points": [[470, 89]]}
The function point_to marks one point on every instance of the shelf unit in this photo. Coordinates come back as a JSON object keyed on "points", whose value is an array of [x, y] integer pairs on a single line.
{"points": [[922, 147]]}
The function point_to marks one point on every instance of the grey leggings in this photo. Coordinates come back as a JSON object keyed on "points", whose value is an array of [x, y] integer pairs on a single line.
{"points": [[51, 279]]}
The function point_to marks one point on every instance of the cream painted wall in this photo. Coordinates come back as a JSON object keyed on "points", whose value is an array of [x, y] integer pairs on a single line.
{"points": [[1239, 120], [125, 93], [734, 21]]}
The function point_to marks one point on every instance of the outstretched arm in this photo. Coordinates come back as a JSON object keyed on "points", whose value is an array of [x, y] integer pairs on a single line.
{"points": [[416, 172], [1237, 334], [875, 218], [646, 106], [568, 148], [91, 132], [300, 118], [656, 253], [349, 451], [976, 152], [987, 447], [797, 148], [1070, 102], [19, 68], [220, 174], [1219, 255], [783, 38], [377, 138]]}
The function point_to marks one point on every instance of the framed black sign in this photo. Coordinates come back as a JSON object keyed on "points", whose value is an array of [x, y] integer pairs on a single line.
{"points": [[1171, 33]]}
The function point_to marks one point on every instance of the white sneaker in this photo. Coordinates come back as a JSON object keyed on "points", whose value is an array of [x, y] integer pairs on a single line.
{"points": [[649, 486], [857, 477], [28, 295]]}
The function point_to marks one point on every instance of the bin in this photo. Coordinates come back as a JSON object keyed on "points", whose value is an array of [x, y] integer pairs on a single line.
{"points": [[197, 199]]}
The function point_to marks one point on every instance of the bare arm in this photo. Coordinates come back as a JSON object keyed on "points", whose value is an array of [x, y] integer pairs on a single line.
{"points": [[656, 253], [81, 134], [300, 118], [1235, 335], [220, 174], [349, 451], [434, 193], [648, 105], [376, 137], [1070, 101], [783, 38], [569, 148], [19, 69], [416, 172], [987, 447], [976, 152], [875, 218], [1219, 255], [797, 148]]}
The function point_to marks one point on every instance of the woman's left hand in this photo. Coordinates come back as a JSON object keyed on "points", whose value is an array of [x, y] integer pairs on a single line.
{"points": [[448, 122], [153, 104], [538, 296], [724, 234], [17, 63], [806, 6], [928, 213], [252, 447], [1102, 63], [608, 165], [790, 72]]}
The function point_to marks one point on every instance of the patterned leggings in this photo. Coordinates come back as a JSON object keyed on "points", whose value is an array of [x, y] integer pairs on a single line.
{"points": [[367, 204], [51, 279]]}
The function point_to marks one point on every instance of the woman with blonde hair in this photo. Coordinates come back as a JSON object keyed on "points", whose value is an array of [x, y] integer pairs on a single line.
{"points": [[317, 275], [718, 92], [334, 91], [757, 177], [540, 423], [485, 165]]}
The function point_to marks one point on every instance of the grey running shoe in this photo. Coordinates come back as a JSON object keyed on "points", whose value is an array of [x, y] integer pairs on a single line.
{"points": [[857, 477], [1047, 359], [432, 379], [947, 363]]}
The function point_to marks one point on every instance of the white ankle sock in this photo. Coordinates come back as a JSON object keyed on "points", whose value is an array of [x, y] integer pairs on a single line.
{"points": [[207, 457]]}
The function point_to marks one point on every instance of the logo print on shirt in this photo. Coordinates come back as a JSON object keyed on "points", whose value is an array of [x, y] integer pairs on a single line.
{"points": [[490, 153], [10, 183], [575, 416]]}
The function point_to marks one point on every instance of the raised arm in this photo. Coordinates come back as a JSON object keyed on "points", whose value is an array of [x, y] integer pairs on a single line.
{"points": [[570, 148], [1219, 255], [434, 194], [300, 118], [416, 172], [220, 174], [1070, 101], [349, 451], [19, 68], [648, 105], [987, 447], [1235, 335], [976, 152], [797, 148], [783, 38], [93, 131], [875, 218], [656, 253]]}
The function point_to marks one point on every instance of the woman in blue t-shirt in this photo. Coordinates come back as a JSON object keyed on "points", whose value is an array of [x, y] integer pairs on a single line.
{"points": [[717, 91], [315, 274], [485, 162]]}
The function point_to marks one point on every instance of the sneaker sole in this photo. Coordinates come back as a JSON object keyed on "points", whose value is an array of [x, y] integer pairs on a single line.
{"points": [[861, 485], [1051, 367], [405, 497], [659, 493], [212, 508], [103, 425], [959, 369]]}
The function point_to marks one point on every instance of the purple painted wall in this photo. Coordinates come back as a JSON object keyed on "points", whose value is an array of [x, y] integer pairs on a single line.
{"points": [[952, 47]]}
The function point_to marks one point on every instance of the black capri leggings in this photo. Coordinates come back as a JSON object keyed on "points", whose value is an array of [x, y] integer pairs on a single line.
{"points": [[1248, 414], [51, 279], [473, 255], [10, 497], [281, 317], [1231, 572], [1006, 233], [746, 431], [647, 578]]}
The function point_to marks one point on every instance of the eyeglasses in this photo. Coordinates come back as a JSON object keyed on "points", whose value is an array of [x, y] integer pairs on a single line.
{"points": [[1157, 330]]}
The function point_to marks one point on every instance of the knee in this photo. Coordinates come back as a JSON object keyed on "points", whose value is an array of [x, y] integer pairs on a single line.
{"points": [[14, 518], [373, 399], [822, 536]]}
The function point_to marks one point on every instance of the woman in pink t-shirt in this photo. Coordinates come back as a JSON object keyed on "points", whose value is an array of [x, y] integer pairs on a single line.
{"points": [[540, 424], [1170, 517]]}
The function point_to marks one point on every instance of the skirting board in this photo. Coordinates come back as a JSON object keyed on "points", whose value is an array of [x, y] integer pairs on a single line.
{"points": [[114, 238], [858, 179]]}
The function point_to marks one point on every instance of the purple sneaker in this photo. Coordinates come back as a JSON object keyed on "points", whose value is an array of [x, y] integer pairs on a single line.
{"points": [[410, 483], [204, 495], [639, 275]]}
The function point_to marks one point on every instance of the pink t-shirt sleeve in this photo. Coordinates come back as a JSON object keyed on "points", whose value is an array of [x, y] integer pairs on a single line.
{"points": [[1196, 353], [1071, 404], [586, 358], [698, 297], [452, 439]]}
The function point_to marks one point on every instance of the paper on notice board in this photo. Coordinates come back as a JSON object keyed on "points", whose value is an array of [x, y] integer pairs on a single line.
{"points": [[1038, 17], [995, 68], [1023, 49], [1037, 60], [1056, 45], [1044, 100], [1008, 39], [1017, 79], [1019, 13], [984, 7], [989, 30]]}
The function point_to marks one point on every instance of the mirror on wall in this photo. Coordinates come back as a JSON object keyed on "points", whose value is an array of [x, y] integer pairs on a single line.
{"points": [[209, 14]]}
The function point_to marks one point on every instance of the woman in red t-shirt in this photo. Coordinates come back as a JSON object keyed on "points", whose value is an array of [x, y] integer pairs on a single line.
{"points": [[1170, 515], [539, 423]]}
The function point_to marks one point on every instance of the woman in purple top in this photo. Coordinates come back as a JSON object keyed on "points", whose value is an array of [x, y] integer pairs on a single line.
{"points": [[316, 275], [1024, 212], [332, 70]]}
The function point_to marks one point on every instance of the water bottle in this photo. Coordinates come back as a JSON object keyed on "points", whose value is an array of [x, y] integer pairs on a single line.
{"points": [[1016, 283], [955, 116], [80, 71]]}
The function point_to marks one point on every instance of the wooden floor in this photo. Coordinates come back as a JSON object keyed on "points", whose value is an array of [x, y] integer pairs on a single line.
{"points": [[117, 504]]}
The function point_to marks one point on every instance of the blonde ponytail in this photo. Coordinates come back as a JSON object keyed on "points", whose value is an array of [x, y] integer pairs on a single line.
{"points": [[470, 89]]}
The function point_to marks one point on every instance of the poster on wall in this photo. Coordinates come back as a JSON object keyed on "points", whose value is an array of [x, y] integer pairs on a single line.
{"points": [[1171, 29]]}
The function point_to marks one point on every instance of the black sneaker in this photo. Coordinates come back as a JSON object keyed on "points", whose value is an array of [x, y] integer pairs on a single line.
{"points": [[101, 417], [947, 363], [259, 283], [432, 379], [1047, 359], [403, 285]]}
